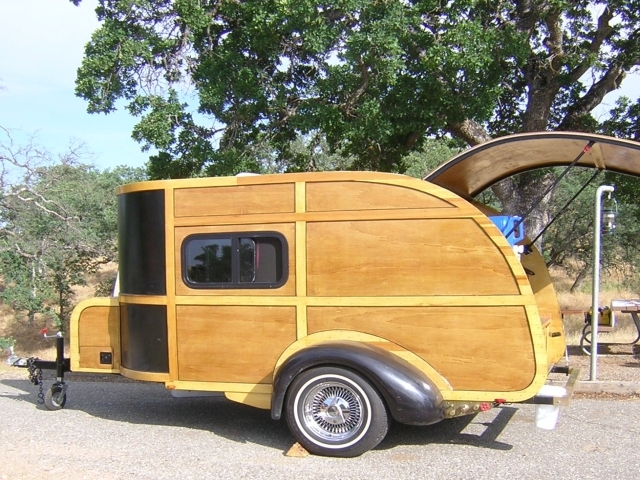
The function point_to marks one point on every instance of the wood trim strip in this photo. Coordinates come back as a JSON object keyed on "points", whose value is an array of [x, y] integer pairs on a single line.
{"points": [[94, 370], [176, 183], [301, 262], [143, 299], [426, 301], [172, 329], [465, 211], [145, 376], [220, 387]]}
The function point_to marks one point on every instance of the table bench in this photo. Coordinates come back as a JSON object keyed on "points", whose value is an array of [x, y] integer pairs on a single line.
{"points": [[606, 323]]}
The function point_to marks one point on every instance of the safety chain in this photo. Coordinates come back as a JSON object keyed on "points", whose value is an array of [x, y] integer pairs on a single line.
{"points": [[35, 377]]}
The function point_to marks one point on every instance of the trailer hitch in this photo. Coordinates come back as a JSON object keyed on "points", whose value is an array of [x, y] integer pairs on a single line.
{"points": [[56, 397]]}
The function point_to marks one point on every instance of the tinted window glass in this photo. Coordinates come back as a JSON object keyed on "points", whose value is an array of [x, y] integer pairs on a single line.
{"points": [[234, 261], [246, 256], [268, 260], [209, 260]]}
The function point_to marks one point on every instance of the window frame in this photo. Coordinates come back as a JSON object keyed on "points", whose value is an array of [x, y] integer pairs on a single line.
{"points": [[235, 260]]}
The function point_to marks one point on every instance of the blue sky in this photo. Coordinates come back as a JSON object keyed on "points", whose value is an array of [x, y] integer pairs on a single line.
{"points": [[41, 46]]}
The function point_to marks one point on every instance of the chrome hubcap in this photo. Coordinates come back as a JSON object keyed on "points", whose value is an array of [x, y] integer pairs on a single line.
{"points": [[333, 411]]}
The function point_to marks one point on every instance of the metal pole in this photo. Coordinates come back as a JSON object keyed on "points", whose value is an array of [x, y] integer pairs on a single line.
{"points": [[596, 282]]}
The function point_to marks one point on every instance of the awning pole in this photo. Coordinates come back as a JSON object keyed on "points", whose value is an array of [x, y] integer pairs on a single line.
{"points": [[596, 281]]}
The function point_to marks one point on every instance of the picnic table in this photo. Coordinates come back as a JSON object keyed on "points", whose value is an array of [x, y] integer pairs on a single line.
{"points": [[607, 323]]}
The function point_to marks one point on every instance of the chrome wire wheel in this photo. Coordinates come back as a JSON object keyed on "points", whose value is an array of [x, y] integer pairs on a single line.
{"points": [[335, 411]]}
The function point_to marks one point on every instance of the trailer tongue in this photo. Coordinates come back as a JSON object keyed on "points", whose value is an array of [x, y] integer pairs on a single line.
{"points": [[55, 397]]}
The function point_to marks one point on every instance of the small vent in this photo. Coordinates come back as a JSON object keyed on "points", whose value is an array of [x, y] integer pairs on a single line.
{"points": [[106, 358]]}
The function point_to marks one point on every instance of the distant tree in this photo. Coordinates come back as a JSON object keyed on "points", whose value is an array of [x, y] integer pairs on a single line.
{"points": [[569, 238], [432, 154], [58, 222], [624, 121]]}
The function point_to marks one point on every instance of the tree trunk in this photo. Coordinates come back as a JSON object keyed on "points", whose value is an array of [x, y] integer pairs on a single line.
{"points": [[580, 279]]}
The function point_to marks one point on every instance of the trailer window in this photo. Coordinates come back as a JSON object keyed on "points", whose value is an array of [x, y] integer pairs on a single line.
{"points": [[234, 261], [209, 260]]}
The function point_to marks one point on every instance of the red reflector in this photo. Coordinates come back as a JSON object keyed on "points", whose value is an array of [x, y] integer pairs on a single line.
{"points": [[484, 407], [500, 400]]}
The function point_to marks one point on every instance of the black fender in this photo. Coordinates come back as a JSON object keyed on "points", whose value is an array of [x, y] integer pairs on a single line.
{"points": [[411, 397]]}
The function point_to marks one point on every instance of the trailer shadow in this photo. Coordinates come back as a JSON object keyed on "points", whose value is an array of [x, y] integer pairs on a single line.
{"points": [[151, 404], [454, 432]]}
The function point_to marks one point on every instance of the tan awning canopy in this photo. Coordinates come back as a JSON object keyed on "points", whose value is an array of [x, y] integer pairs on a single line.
{"points": [[478, 168]]}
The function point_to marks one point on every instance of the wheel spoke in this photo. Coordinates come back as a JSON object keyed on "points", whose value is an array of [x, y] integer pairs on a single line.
{"points": [[333, 411]]}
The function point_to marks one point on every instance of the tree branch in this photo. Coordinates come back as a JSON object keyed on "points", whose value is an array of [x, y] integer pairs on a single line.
{"points": [[603, 32], [364, 84], [470, 131], [609, 82], [528, 13]]}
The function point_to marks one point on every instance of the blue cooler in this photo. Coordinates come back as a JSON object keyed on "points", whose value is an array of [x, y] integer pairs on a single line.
{"points": [[505, 223]]}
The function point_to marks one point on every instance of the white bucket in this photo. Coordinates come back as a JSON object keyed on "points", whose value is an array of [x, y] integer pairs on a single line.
{"points": [[547, 415]]}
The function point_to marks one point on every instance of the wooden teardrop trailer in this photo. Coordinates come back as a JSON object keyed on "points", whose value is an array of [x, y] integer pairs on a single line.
{"points": [[337, 300]]}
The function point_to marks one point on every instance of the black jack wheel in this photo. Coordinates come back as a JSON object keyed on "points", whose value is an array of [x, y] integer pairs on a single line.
{"points": [[55, 398]]}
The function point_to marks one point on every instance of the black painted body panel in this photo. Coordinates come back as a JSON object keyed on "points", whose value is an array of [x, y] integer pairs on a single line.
{"points": [[411, 397], [141, 243], [143, 338]]}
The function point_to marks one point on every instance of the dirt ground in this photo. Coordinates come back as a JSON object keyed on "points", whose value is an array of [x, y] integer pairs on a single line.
{"points": [[615, 363]]}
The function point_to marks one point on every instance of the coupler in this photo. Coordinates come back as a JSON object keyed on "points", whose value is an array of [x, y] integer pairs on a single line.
{"points": [[56, 397]]}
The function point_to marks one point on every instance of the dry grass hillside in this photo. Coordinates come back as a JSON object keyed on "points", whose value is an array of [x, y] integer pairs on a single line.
{"points": [[625, 330], [29, 339]]}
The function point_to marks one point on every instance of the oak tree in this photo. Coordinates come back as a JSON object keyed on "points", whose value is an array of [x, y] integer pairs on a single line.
{"points": [[213, 81]]}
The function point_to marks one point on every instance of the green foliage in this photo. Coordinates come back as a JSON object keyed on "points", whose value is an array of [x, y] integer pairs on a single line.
{"points": [[569, 241], [105, 287], [58, 222], [432, 154], [372, 77], [6, 343], [624, 120], [214, 81], [310, 153]]}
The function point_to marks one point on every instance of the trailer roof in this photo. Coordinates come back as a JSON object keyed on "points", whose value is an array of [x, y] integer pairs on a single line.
{"points": [[482, 166]]}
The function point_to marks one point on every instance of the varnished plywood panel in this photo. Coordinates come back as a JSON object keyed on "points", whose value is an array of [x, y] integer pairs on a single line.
{"points": [[90, 357], [548, 306], [332, 196], [232, 343], [396, 257], [99, 330], [474, 348], [288, 230], [232, 200], [98, 326]]}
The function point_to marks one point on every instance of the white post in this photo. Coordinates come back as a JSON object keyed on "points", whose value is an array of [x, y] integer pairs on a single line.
{"points": [[596, 281]]}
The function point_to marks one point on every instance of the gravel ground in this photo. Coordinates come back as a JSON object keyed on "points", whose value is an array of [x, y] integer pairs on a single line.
{"points": [[132, 430]]}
